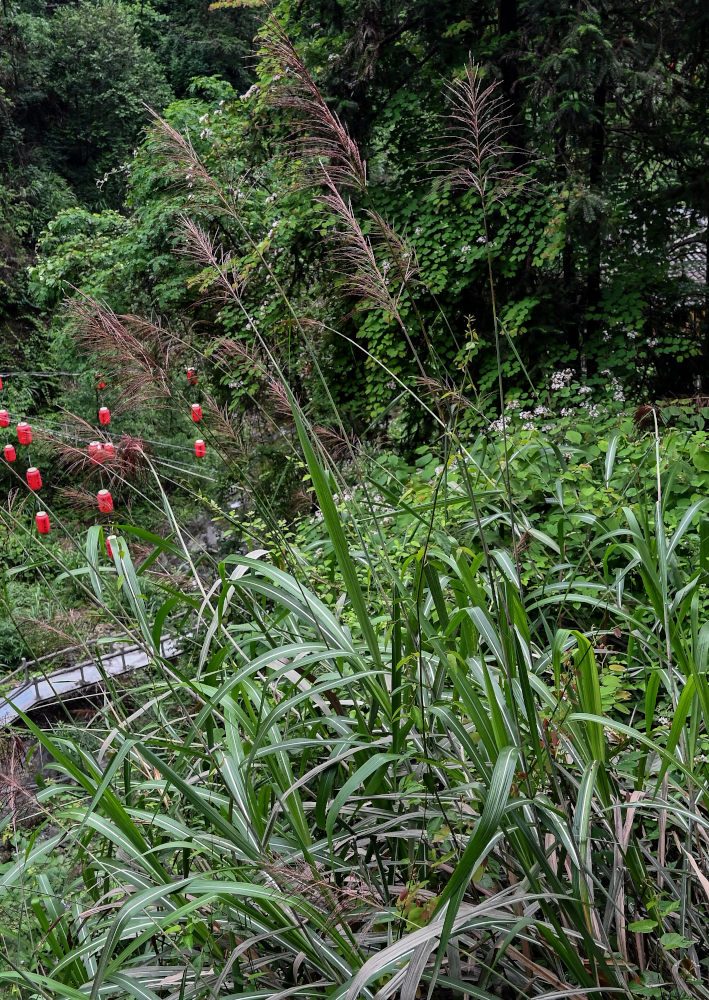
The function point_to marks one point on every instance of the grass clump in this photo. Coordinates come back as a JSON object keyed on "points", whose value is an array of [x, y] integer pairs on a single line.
{"points": [[392, 765]]}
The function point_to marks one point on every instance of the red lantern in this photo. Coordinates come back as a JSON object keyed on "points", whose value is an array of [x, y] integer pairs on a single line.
{"points": [[196, 412], [199, 448], [42, 521], [108, 450], [191, 377], [104, 415], [96, 453], [10, 453], [105, 501], [34, 480], [100, 384], [24, 433], [4, 418]]}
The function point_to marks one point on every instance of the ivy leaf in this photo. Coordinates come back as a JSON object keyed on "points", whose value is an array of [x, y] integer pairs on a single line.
{"points": [[673, 940]]}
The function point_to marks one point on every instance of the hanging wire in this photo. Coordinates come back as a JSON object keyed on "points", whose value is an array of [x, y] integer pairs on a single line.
{"points": [[67, 433], [44, 374]]}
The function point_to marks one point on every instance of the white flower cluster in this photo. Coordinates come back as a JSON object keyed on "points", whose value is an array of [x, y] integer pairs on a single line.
{"points": [[499, 425], [618, 394], [561, 379]]}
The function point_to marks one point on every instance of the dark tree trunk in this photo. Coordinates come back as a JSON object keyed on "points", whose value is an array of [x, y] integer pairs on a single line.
{"points": [[595, 179], [508, 27]]}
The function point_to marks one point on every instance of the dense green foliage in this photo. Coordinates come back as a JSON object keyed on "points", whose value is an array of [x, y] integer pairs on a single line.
{"points": [[599, 245], [438, 724], [390, 734]]}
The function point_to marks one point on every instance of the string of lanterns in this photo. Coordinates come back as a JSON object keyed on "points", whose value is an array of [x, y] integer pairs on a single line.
{"points": [[98, 451]]}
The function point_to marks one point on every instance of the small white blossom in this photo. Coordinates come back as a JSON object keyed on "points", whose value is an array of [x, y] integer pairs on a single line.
{"points": [[561, 379], [499, 425]]}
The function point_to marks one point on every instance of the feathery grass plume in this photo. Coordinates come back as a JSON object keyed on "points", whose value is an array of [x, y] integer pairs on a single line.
{"points": [[319, 136], [337, 446], [281, 399], [135, 352], [178, 156], [71, 457], [222, 280], [18, 797], [227, 351], [226, 426], [129, 463], [78, 498], [332, 158], [475, 151], [354, 255], [132, 461], [372, 283]]}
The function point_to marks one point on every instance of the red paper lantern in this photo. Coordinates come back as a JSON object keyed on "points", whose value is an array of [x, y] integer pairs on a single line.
{"points": [[105, 501], [96, 452], [10, 453], [196, 412], [108, 450], [191, 377], [104, 415], [42, 521], [34, 480], [24, 432], [199, 448], [4, 418]]}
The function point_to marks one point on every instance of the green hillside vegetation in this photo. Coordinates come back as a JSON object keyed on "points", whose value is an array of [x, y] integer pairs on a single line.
{"points": [[385, 326]]}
